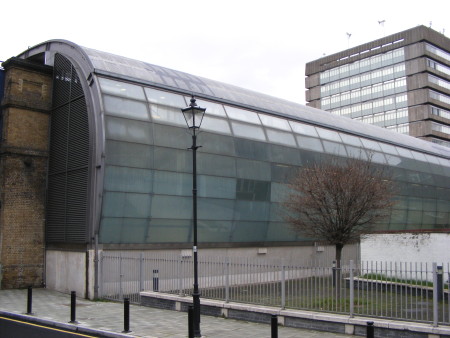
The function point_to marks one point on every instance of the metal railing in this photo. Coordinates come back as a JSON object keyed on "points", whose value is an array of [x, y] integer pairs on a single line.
{"points": [[395, 290]]}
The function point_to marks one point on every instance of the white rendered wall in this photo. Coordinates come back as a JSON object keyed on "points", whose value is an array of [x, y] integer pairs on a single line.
{"points": [[406, 247], [66, 271]]}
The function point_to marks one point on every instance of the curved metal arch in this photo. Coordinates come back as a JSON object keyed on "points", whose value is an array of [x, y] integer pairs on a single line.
{"points": [[85, 70]]}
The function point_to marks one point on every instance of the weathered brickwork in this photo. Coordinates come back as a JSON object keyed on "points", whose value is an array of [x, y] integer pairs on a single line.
{"points": [[23, 171]]}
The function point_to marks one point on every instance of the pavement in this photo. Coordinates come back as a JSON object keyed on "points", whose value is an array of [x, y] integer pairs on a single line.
{"points": [[51, 307]]}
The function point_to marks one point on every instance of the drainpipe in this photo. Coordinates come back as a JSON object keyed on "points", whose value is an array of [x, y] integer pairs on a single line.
{"points": [[96, 267]]}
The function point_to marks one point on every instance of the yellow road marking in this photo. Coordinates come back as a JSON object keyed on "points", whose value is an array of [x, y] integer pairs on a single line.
{"points": [[46, 327]]}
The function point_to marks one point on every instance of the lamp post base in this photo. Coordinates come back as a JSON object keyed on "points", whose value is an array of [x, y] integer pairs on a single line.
{"points": [[196, 303]]}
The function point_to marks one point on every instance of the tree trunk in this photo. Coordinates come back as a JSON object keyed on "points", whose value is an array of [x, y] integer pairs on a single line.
{"points": [[338, 276]]}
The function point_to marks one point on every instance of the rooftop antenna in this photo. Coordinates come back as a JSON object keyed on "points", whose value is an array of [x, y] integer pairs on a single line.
{"points": [[348, 39], [381, 23]]}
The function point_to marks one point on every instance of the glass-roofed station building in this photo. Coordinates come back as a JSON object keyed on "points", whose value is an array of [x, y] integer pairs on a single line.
{"points": [[120, 176]]}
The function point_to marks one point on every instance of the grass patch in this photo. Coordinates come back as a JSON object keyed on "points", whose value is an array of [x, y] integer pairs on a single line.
{"points": [[384, 278]]}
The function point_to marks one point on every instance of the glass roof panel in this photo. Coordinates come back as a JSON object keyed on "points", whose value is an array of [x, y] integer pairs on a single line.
{"points": [[404, 152], [371, 145], [388, 149], [309, 143], [121, 89], [242, 115], [248, 131], [334, 148], [215, 124], [304, 129], [329, 135], [119, 106], [212, 108], [274, 122], [419, 156], [351, 140], [142, 72], [378, 157], [165, 98], [432, 159], [170, 115], [281, 137]]}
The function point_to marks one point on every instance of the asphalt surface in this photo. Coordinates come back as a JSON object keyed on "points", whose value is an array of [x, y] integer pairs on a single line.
{"points": [[106, 319], [18, 329]]}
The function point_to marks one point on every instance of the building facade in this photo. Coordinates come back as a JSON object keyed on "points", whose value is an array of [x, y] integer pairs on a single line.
{"points": [[119, 174], [400, 82]]}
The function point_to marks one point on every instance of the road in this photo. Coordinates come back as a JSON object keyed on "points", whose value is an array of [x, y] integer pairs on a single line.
{"points": [[12, 328]]}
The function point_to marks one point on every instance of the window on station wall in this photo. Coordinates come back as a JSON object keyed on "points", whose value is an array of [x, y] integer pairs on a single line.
{"points": [[248, 131], [216, 125], [216, 187], [252, 190], [124, 230], [212, 108], [251, 149], [214, 231], [170, 136], [172, 183], [242, 115], [129, 205], [126, 108], [215, 208], [213, 164], [216, 144], [250, 169], [128, 179], [168, 231], [166, 114], [275, 122], [280, 137], [129, 154], [172, 160], [164, 98], [128, 130], [249, 231], [121, 89]]}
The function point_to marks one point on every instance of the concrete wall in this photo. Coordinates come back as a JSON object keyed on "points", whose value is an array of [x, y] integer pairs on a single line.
{"points": [[406, 247], [66, 271]]}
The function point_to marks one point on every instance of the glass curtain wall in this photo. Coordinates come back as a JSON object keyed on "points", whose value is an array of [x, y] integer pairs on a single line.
{"points": [[244, 162]]}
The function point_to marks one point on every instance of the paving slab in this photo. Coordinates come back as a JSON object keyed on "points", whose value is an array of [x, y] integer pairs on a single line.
{"points": [[52, 306]]}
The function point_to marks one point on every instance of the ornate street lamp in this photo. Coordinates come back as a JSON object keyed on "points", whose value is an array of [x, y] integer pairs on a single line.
{"points": [[194, 116]]}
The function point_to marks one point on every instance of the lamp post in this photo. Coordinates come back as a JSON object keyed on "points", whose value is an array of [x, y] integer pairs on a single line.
{"points": [[193, 115]]}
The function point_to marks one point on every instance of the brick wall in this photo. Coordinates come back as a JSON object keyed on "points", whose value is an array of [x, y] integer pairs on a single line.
{"points": [[23, 171]]}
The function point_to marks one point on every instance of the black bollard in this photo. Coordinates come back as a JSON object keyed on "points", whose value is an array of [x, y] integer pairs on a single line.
{"points": [[370, 333], [156, 280], [73, 299], [30, 300], [274, 326], [191, 321], [126, 315]]}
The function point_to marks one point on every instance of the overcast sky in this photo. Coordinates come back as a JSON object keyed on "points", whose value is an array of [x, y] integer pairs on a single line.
{"points": [[256, 44]]}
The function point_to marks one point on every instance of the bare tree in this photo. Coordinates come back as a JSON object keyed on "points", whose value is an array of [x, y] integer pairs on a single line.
{"points": [[337, 201]]}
